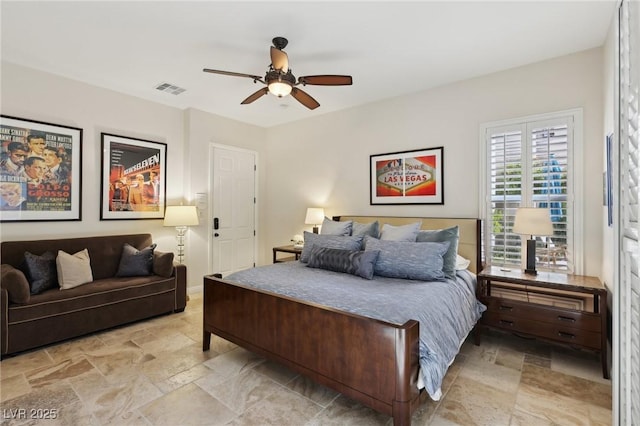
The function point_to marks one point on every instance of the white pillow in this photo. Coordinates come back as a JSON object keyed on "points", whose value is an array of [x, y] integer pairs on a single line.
{"points": [[73, 269], [400, 233], [462, 263], [332, 227]]}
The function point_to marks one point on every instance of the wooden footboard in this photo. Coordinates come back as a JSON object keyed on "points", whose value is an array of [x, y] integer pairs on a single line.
{"points": [[371, 361]]}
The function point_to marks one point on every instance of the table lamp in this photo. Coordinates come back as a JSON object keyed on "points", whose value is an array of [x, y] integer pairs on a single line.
{"points": [[181, 217], [532, 221], [315, 216]]}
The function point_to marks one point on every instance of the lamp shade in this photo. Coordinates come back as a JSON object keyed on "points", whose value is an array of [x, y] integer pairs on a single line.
{"points": [[180, 216], [315, 216], [533, 221]]}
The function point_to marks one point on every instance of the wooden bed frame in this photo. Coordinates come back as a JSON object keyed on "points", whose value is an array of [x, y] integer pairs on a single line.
{"points": [[370, 361]]}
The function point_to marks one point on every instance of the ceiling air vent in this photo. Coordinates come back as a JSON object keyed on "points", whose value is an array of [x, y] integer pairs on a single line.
{"points": [[170, 88]]}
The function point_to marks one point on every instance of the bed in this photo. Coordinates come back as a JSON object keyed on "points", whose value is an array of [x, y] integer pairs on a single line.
{"points": [[350, 348]]}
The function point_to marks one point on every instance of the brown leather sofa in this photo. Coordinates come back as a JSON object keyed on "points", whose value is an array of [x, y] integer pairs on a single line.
{"points": [[32, 320]]}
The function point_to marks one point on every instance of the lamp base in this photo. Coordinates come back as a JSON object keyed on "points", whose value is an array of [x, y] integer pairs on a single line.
{"points": [[315, 229], [531, 257], [181, 231]]}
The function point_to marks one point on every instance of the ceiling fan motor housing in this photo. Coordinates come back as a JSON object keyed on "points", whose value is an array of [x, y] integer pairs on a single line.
{"points": [[280, 76]]}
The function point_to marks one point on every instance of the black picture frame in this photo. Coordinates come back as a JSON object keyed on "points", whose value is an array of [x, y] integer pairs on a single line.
{"points": [[40, 171], [133, 178]]}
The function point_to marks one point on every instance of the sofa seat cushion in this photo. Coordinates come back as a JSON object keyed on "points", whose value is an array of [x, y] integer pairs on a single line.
{"points": [[108, 291]]}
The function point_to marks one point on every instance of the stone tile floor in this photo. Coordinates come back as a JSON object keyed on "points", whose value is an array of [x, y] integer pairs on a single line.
{"points": [[155, 373]]}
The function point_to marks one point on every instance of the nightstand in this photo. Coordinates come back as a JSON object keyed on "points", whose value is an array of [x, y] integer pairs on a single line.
{"points": [[286, 249], [561, 308]]}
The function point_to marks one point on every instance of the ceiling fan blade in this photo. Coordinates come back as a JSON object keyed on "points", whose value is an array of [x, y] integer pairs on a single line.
{"points": [[304, 98], [279, 60], [234, 74], [260, 93], [326, 80]]}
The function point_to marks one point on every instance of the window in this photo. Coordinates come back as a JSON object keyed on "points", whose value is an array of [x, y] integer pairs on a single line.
{"points": [[529, 162]]}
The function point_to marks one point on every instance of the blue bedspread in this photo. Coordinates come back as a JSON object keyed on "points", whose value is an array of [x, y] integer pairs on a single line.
{"points": [[446, 310]]}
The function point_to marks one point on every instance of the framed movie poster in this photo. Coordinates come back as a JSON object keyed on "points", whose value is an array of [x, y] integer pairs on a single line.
{"points": [[134, 176], [409, 177], [40, 171]]}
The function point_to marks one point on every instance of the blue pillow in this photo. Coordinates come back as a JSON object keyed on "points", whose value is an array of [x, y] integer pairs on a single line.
{"points": [[332, 227], [372, 229], [354, 262], [134, 262], [41, 271], [400, 233], [441, 235], [328, 241], [408, 260]]}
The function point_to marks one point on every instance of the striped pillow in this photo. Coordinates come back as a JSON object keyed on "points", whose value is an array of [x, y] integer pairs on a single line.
{"points": [[330, 241], [354, 262]]}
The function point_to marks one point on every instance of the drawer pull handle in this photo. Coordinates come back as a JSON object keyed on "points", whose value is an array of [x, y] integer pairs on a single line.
{"points": [[505, 322], [561, 318], [566, 335], [506, 308]]}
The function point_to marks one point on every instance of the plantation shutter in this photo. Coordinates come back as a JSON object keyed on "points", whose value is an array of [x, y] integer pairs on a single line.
{"points": [[505, 189], [629, 283], [551, 188], [528, 164]]}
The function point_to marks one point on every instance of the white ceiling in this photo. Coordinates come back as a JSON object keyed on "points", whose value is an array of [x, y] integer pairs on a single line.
{"points": [[390, 48]]}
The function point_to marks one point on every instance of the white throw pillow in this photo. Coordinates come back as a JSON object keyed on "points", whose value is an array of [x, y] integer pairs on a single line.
{"points": [[73, 269], [401, 232], [462, 263]]}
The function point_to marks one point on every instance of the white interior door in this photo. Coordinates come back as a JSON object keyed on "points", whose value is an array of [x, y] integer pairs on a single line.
{"points": [[233, 230]]}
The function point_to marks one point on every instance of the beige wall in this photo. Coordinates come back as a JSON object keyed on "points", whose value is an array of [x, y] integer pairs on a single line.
{"points": [[324, 161], [40, 96], [202, 131], [35, 95]]}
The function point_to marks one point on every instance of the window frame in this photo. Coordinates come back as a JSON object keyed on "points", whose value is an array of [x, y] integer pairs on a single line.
{"points": [[575, 198]]}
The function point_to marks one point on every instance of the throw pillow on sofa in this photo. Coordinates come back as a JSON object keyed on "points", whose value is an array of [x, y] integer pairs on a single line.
{"points": [[134, 262], [163, 264], [41, 271], [73, 269]]}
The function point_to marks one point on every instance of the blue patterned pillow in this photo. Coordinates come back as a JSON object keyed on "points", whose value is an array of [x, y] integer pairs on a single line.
{"points": [[328, 241], [354, 262], [441, 235], [408, 260], [372, 229], [41, 271], [134, 262], [332, 227]]}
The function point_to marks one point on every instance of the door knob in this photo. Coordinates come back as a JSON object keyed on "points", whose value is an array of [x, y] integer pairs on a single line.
{"points": [[216, 235]]}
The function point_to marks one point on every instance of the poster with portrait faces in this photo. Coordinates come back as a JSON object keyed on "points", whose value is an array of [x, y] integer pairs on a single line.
{"points": [[40, 169]]}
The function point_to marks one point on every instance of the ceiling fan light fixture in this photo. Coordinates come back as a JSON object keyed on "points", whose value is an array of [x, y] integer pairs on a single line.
{"points": [[280, 88]]}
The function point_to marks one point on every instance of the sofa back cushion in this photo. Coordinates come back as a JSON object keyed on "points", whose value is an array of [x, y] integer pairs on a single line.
{"points": [[104, 251]]}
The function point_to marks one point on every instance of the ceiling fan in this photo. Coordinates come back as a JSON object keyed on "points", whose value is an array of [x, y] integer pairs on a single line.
{"points": [[281, 82]]}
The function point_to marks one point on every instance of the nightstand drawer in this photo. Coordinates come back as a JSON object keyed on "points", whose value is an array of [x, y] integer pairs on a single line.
{"points": [[547, 314], [557, 333]]}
